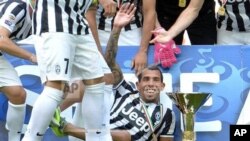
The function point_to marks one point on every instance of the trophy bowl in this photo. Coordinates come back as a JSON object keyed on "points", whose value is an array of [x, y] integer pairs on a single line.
{"points": [[188, 104]]}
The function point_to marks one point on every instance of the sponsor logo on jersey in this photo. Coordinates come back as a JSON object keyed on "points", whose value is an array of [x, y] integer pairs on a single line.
{"points": [[135, 117]]}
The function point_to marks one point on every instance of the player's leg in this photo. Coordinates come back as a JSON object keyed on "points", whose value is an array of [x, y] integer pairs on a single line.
{"points": [[55, 52], [73, 94], [65, 128], [108, 98], [11, 86], [92, 74], [15, 112]]}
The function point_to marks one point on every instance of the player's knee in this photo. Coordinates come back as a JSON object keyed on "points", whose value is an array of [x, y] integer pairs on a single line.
{"points": [[17, 95]]}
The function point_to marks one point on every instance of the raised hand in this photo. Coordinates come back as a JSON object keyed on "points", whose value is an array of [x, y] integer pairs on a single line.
{"points": [[124, 15]]}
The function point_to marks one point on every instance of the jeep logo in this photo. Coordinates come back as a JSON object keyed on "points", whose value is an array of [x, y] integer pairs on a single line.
{"points": [[135, 117]]}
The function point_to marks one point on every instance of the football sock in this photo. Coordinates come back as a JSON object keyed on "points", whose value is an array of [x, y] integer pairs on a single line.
{"points": [[14, 121], [42, 113], [108, 94], [92, 110]]}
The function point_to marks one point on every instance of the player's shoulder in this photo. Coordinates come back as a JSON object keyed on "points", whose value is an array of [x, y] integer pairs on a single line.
{"points": [[125, 87], [8, 2], [165, 101], [17, 4]]}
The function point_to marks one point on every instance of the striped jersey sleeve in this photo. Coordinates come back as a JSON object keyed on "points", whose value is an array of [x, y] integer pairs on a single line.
{"points": [[61, 16], [106, 24], [16, 18], [128, 114], [237, 16]]}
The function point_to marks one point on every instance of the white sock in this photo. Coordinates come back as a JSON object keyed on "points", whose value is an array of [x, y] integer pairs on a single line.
{"points": [[77, 120], [14, 120], [92, 110], [42, 113], [77, 117], [108, 92]]}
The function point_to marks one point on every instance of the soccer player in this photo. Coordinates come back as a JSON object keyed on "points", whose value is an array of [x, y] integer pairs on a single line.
{"points": [[15, 24], [136, 115], [66, 51]]}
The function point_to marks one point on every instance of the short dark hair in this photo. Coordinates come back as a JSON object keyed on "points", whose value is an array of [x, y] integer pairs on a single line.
{"points": [[151, 67]]}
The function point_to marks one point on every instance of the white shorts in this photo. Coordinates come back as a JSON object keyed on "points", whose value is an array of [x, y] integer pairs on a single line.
{"points": [[8, 75], [126, 38], [63, 56], [105, 67], [225, 37]]}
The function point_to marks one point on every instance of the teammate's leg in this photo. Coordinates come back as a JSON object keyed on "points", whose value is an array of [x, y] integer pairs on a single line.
{"points": [[10, 85], [92, 74], [15, 112], [55, 64]]}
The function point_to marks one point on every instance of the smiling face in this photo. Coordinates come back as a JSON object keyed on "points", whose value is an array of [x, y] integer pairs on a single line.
{"points": [[150, 85]]}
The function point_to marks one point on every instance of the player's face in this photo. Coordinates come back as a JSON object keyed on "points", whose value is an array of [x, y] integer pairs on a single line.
{"points": [[150, 86]]}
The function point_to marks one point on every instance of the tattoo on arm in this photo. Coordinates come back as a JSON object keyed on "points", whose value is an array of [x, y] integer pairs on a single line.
{"points": [[110, 56], [118, 75], [111, 50]]}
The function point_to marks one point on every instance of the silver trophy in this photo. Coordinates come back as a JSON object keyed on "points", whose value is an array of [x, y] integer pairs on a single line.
{"points": [[188, 104]]}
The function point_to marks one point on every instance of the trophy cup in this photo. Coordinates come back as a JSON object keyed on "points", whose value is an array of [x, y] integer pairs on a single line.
{"points": [[188, 104]]}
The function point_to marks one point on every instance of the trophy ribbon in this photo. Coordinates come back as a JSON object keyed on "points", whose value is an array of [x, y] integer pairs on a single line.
{"points": [[148, 119]]}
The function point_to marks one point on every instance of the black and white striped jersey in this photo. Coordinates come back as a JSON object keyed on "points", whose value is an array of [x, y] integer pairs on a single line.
{"points": [[61, 16], [15, 16], [130, 113], [106, 24], [237, 16]]}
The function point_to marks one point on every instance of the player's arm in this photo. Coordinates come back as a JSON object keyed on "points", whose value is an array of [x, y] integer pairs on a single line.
{"points": [[8, 21], [91, 18], [123, 17], [166, 139], [120, 135], [149, 15], [110, 55], [117, 135], [184, 20], [186, 17], [8, 46]]}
